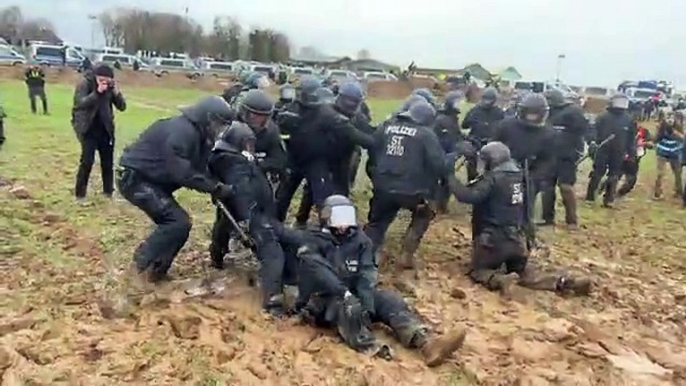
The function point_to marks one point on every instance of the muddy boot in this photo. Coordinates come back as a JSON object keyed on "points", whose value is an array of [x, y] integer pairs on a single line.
{"points": [[437, 349], [274, 306], [569, 202], [579, 286], [504, 284], [610, 192], [139, 282], [537, 281]]}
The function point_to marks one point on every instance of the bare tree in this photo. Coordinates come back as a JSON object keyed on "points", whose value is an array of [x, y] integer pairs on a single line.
{"points": [[11, 21]]}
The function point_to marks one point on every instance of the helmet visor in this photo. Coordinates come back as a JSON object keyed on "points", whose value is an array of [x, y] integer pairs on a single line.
{"points": [[287, 93], [342, 216]]}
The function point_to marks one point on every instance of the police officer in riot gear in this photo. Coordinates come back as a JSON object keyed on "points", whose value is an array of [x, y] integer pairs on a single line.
{"points": [[427, 95], [319, 137], [255, 109], [481, 121], [407, 164], [608, 159], [498, 197], [286, 97], [571, 127], [249, 81], [338, 287], [233, 163], [447, 129], [171, 154], [531, 143]]}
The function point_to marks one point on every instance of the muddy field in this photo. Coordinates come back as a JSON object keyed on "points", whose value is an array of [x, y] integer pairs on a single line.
{"points": [[62, 269]]}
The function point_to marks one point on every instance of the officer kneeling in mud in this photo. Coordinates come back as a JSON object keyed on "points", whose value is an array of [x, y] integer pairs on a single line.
{"points": [[251, 208], [337, 288], [171, 154], [499, 214]]}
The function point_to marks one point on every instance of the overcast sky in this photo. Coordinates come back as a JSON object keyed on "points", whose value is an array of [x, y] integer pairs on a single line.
{"points": [[605, 41]]}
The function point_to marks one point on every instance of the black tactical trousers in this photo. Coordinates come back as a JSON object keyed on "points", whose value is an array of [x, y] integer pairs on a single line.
{"points": [[38, 92], [630, 174], [105, 148], [158, 251], [384, 207], [340, 177], [321, 295], [266, 248], [286, 191], [605, 162], [495, 248], [565, 178]]}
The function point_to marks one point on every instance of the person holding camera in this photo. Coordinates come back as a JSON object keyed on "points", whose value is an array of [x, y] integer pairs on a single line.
{"points": [[93, 122]]}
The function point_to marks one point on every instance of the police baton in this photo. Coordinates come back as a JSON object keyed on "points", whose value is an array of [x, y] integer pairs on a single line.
{"points": [[244, 237], [605, 142]]}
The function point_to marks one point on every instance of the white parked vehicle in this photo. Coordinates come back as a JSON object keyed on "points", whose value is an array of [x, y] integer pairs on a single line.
{"points": [[217, 69], [166, 66], [379, 76]]}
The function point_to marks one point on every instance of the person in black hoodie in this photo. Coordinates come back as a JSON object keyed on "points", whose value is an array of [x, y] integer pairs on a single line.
{"points": [[171, 154], [93, 122], [34, 77]]}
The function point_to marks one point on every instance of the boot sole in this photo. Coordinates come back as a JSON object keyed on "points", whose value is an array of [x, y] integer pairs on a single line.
{"points": [[454, 342]]}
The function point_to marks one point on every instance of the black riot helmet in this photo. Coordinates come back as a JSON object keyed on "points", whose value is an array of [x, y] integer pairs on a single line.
{"points": [[338, 214], [533, 110], [489, 97], [421, 113], [494, 154], [307, 91], [350, 97], [326, 96], [453, 101], [239, 138], [210, 114], [254, 108], [426, 94], [555, 98], [287, 93], [618, 102]]}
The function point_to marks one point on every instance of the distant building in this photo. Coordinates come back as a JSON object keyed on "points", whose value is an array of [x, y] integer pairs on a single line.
{"points": [[368, 65], [509, 73]]}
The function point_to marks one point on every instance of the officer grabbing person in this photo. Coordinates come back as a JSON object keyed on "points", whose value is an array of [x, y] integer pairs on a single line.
{"points": [[498, 197], [617, 131], [171, 154], [34, 77], [531, 143], [255, 109], [407, 164], [337, 288], [571, 127], [481, 121], [320, 136], [251, 206], [447, 130]]}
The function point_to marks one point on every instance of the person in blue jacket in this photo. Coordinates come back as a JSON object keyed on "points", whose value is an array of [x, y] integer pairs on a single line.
{"points": [[668, 150]]}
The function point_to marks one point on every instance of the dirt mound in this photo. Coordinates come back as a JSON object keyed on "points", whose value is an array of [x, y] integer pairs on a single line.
{"points": [[389, 90], [595, 105]]}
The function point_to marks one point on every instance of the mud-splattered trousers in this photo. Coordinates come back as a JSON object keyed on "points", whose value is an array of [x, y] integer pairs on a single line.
{"points": [[494, 248], [321, 295], [384, 207], [266, 248], [173, 225]]}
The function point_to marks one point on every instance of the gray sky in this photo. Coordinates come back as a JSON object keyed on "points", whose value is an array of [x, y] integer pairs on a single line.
{"points": [[605, 41]]}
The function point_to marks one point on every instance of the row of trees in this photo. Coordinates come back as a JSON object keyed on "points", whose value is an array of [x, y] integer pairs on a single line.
{"points": [[136, 29], [15, 28]]}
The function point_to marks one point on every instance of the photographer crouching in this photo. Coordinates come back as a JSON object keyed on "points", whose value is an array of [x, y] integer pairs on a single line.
{"points": [[93, 122]]}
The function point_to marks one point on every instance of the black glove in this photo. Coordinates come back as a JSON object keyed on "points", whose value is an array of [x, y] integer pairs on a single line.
{"points": [[466, 149], [592, 149], [223, 192]]}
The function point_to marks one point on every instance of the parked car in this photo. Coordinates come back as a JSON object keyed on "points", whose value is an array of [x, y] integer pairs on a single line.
{"points": [[217, 69], [51, 55], [10, 57], [599, 92], [166, 66], [264, 69], [125, 60], [636, 94], [378, 76]]}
